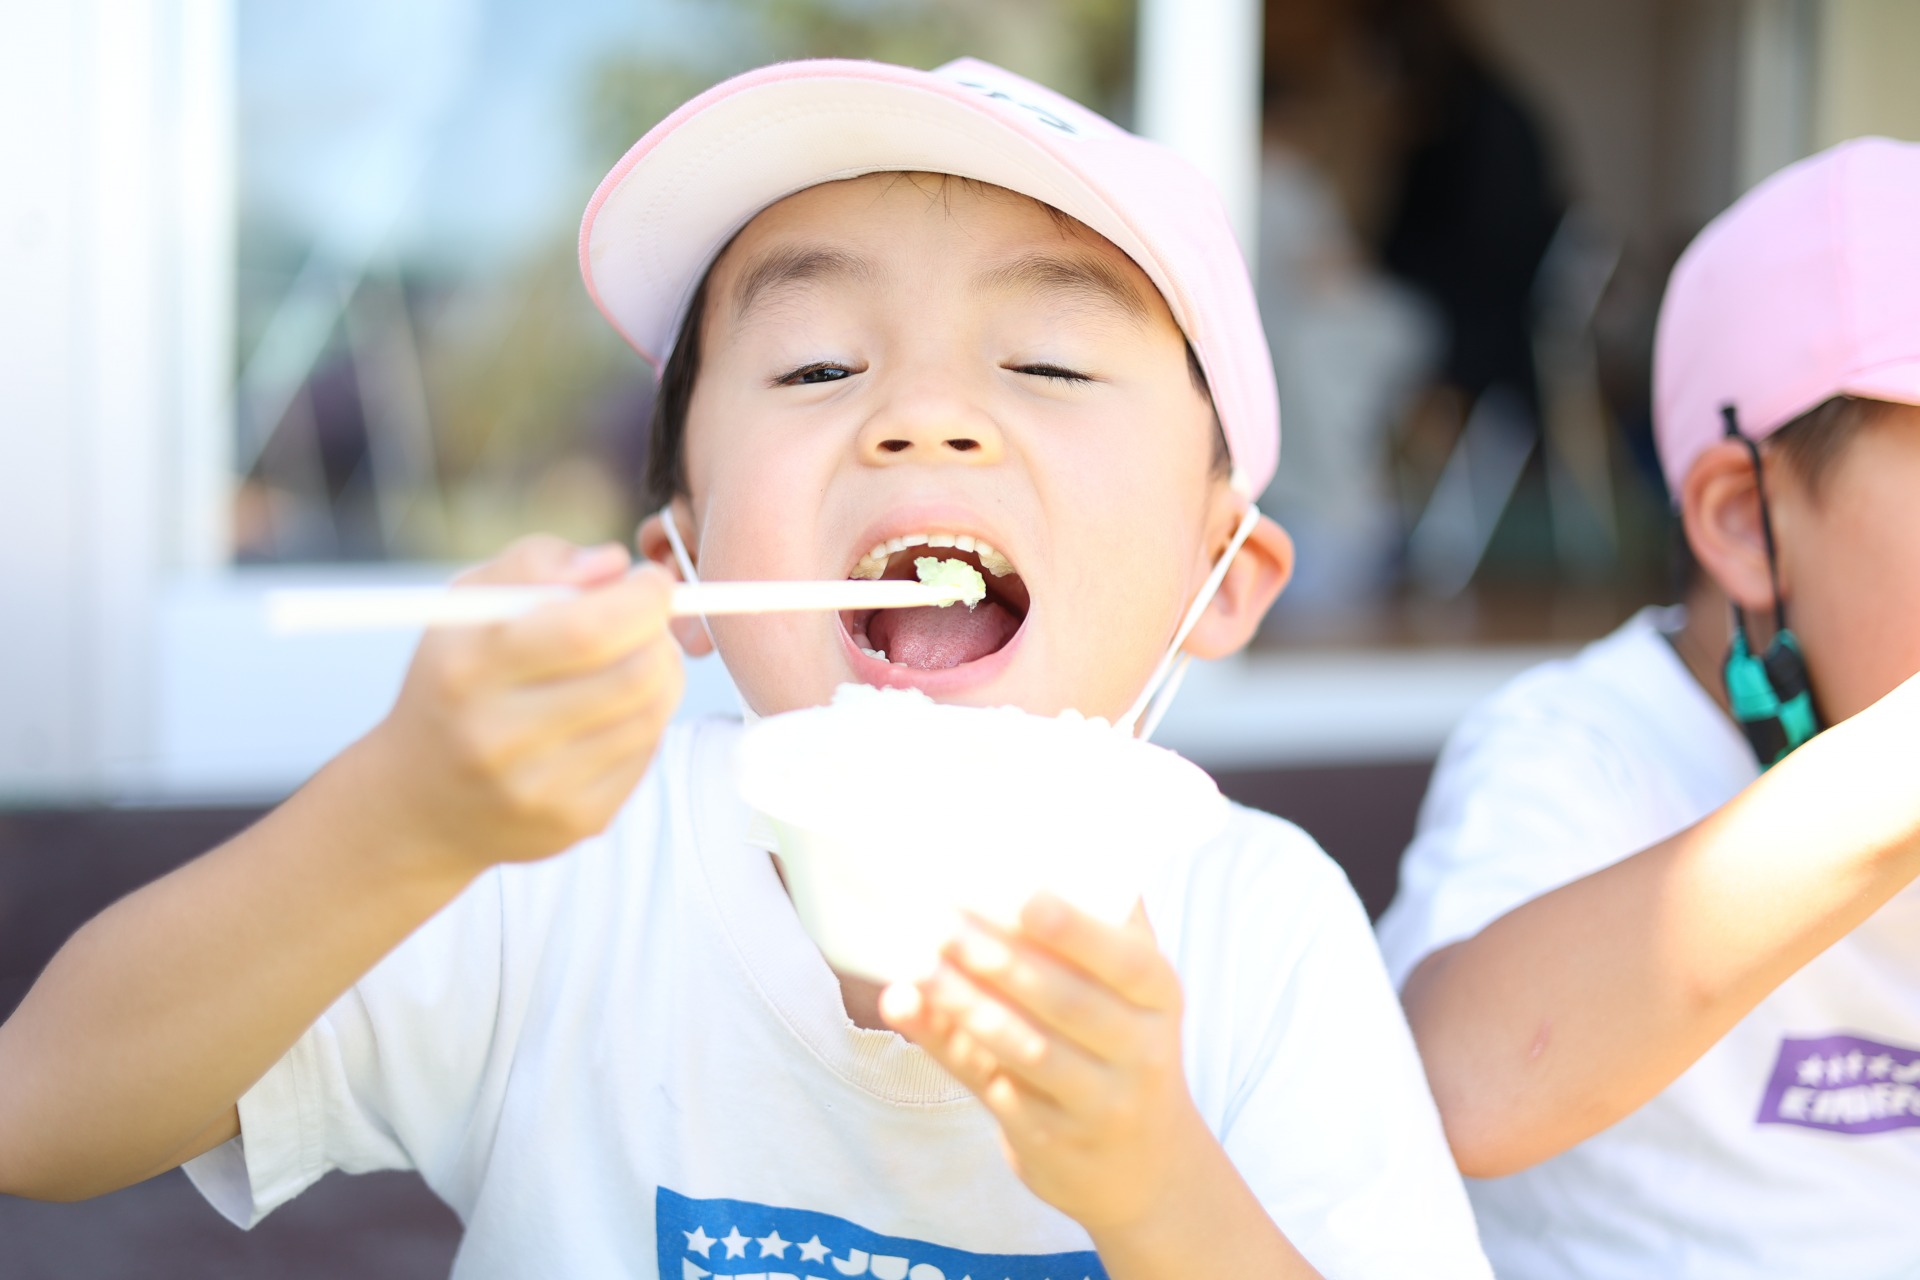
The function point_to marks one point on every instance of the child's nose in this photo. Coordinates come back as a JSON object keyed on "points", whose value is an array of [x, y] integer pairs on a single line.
{"points": [[930, 429]]}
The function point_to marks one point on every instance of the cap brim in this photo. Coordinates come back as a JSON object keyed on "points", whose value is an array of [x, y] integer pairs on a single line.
{"points": [[1898, 383], [662, 214]]}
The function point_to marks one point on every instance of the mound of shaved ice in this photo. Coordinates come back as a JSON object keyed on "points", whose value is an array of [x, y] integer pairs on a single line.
{"points": [[881, 860], [958, 574]]}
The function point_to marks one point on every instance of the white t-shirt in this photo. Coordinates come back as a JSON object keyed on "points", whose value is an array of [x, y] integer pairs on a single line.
{"points": [[1792, 1148], [630, 1060]]}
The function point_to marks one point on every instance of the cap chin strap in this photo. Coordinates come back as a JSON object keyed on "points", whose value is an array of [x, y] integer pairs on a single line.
{"points": [[689, 575], [1164, 683]]}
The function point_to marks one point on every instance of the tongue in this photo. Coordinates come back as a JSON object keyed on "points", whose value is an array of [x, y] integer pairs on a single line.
{"points": [[935, 639]]}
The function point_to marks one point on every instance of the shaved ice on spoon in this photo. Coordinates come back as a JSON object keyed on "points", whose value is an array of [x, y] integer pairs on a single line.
{"points": [[958, 574]]}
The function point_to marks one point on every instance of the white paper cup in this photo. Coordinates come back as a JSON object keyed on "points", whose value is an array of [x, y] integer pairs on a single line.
{"points": [[893, 814]]}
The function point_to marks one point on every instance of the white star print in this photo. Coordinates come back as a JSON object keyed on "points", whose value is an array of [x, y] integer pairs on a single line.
{"points": [[699, 1241], [773, 1246], [813, 1251], [735, 1242]]}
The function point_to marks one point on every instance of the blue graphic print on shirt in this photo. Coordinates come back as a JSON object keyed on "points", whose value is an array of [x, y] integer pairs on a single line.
{"points": [[741, 1240]]}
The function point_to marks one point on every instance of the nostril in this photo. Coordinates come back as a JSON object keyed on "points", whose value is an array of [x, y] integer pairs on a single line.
{"points": [[895, 446], [963, 445]]}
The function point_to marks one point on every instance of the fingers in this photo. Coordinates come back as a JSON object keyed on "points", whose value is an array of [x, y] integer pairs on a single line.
{"points": [[1124, 957], [977, 1035], [642, 684], [978, 1048], [1058, 997], [573, 789], [591, 630]]}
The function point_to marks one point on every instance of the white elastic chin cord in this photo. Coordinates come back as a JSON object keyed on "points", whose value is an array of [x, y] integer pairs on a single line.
{"points": [[689, 575], [1164, 683]]}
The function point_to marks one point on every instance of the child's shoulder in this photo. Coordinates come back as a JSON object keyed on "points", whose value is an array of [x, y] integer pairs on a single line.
{"points": [[1627, 694], [1261, 876]]}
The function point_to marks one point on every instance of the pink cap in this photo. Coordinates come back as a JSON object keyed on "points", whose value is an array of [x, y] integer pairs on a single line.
{"points": [[664, 212], [1806, 289]]}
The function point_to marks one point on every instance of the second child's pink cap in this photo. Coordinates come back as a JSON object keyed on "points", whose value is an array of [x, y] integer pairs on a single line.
{"points": [[1806, 289], [665, 211]]}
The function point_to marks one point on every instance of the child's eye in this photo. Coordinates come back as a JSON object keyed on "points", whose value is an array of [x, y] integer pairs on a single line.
{"points": [[1052, 371], [813, 374]]}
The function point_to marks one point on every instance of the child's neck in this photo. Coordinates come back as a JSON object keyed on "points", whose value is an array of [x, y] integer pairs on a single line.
{"points": [[860, 996], [1702, 642]]}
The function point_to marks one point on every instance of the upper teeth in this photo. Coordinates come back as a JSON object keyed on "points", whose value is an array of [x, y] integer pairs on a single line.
{"points": [[874, 563]]}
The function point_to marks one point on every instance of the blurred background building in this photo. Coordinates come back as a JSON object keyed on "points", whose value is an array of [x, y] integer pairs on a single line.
{"points": [[288, 294]]}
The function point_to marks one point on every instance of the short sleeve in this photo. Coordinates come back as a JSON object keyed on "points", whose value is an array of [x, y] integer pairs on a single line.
{"points": [[391, 1077], [1524, 799], [1303, 1059]]}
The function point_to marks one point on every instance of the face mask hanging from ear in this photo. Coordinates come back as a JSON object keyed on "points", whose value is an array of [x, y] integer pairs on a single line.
{"points": [[1162, 686], [689, 575], [1768, 693]]}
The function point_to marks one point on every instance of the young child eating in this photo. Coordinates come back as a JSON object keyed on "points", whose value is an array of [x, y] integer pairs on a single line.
{"points": [[905, 314], [1670, 1012]]}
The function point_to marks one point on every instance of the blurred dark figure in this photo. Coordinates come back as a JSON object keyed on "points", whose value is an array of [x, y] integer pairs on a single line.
{"points": [[1441, 166]]}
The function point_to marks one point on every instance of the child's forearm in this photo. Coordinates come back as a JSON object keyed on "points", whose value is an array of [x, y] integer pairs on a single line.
{"points": [[1210, 1225], [130, 1052], [1572, 1010]]}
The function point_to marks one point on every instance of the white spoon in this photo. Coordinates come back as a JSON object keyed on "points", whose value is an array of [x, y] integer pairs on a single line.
{"points": [[293, 611]]}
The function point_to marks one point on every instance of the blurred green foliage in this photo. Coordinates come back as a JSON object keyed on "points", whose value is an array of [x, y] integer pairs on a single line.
{"points": [[1082, 48], [536, 407]]}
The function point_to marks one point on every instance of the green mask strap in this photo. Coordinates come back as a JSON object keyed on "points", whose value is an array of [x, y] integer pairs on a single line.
{"points": [[1768, 693]]}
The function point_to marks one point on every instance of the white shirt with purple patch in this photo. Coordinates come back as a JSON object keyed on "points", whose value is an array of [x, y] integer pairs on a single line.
{"points": [[1792, 1148], [630, 1061]]}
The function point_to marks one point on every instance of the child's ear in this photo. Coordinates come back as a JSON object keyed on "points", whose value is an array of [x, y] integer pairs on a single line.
{"points": [[653, 544], [1720, 507], [1253, 581]]}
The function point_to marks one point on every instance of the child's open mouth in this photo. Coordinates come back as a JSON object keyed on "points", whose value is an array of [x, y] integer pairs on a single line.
{"points": [[938, 639]]}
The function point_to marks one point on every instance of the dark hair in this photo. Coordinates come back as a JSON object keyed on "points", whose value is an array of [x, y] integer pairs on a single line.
{"points": [[667, 428], [1810, 446], [1813, 442]]}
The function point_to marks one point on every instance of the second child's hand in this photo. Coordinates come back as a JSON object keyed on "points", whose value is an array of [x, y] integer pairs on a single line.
{"points": [[1068, 1029]]}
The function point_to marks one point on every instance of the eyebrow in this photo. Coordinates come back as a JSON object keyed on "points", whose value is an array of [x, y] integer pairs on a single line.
{"points": [[1074, 278], [784, 267]]}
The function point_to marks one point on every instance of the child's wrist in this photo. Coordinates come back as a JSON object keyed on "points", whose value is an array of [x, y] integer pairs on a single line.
{"points": [[1183, 1173], [389, 825]]}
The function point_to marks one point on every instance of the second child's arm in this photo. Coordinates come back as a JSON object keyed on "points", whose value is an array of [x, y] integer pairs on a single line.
{"points": [[507, 743], [1574, 1009]]}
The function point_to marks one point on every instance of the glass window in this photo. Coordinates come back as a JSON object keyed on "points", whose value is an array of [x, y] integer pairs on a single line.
{"points": [[420, 373]]}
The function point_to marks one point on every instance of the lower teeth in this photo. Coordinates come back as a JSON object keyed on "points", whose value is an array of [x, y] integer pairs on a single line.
{"points": [[878, 655]]}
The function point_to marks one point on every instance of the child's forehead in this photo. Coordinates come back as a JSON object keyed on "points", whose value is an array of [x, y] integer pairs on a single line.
{"points": [[846, 228]]}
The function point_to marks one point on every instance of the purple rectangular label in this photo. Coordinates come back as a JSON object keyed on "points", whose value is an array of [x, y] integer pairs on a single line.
{"points": [[1844, 1084]]}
